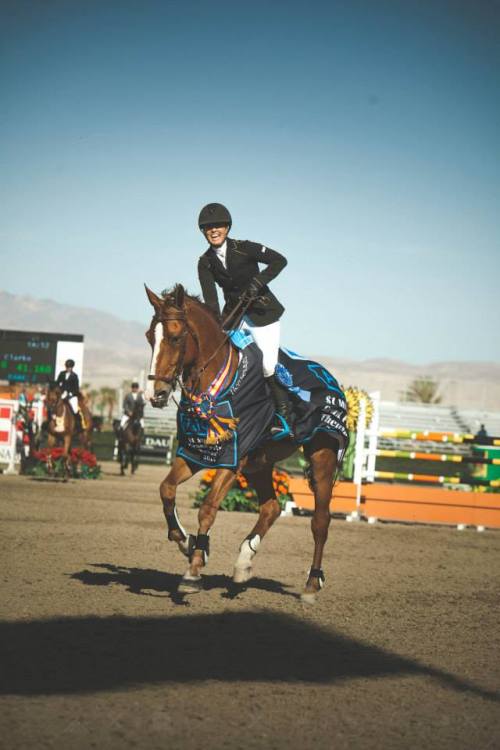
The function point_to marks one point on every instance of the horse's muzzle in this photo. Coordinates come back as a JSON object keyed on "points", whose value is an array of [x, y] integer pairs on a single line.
{"points": [[160, 398]]}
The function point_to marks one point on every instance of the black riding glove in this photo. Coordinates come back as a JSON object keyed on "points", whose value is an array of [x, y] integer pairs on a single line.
{"points": [[253, 289]]}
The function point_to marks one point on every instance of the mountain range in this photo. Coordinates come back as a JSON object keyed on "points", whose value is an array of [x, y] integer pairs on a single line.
{"points": [[116, 350]]}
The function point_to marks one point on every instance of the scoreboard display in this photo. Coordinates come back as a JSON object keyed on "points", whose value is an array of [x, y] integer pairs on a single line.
{"points": [[32, 357]]}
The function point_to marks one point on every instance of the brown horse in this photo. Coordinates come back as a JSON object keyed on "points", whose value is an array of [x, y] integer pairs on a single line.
{"points": [[62, 424], [189, 347], [129, 441]]}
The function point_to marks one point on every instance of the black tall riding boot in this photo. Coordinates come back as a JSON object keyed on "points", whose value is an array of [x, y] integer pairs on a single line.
{"points": [[79, 422], [282, 406]]}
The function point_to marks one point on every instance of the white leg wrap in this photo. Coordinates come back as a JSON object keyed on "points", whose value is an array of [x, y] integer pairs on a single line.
{"points": [[243, 566], [179, 524]]}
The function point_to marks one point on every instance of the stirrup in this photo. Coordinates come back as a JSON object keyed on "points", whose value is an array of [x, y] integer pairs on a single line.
{"points": [[278, 432]]}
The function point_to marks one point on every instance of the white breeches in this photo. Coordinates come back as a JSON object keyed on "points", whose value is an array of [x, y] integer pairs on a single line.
{"points": [[73, 402], [267, 339]]}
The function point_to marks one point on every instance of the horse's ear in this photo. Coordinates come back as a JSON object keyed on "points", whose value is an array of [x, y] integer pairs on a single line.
{"points": [[179, 294], [153, 298]]}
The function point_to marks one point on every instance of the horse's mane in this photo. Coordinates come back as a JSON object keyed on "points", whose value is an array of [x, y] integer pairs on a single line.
{"points": [[170, 297]]}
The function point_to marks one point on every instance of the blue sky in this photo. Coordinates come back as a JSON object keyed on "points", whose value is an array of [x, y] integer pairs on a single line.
{"points": [[359, 138]]}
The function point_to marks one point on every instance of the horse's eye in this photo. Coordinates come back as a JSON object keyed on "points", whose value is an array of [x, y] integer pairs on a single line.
{"points": [[174, 340]]}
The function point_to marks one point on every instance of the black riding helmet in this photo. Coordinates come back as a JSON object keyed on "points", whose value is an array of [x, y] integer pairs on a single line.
{"points": [[214, 213], [69, 363]]}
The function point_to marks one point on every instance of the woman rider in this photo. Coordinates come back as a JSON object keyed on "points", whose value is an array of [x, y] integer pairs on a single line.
{"points": [[234, 266]]}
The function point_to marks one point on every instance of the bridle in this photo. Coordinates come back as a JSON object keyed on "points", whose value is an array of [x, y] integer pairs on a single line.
{"points": [[54, 404], [179, 314]]}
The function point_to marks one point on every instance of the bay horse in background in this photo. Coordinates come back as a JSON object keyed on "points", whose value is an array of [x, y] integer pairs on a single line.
{"points": [[62, 423], [189, 347], [129, 440]]}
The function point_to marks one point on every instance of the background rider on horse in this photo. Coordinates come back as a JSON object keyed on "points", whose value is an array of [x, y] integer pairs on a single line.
{"points": [[68, 382], [233, 265], [133, 403]]}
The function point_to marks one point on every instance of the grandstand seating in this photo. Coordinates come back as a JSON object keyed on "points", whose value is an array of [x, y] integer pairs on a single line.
{"points": [[161, 421], [433, 417]]}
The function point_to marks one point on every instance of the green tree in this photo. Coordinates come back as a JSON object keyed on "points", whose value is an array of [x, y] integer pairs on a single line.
{"points": [[423, 390]]}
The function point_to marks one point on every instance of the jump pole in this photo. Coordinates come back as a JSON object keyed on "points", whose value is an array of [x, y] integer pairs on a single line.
{"points": [[359, 458], [373, 437]]}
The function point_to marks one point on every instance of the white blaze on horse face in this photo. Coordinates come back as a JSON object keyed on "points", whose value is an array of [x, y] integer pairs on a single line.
{"points": [[158, 338]]}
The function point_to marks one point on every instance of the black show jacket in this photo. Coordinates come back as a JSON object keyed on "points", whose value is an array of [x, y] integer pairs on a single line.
{"points": [[70, 383], [242, 261]]}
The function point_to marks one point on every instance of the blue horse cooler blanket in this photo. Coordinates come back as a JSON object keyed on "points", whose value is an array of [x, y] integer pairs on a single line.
{"points": [[317, 401]]}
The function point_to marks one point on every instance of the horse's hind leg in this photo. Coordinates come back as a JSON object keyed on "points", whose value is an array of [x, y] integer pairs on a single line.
{"points": [[269, 511], [323, 458]]}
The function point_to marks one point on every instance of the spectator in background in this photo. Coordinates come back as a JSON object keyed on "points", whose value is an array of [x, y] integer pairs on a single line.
{"points": [[482, 432]]}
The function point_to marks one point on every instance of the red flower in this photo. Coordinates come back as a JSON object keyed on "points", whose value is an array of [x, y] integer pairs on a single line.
{"points": [[79, 455]]}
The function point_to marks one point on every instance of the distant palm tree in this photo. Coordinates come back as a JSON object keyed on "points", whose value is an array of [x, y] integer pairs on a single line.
{"points": [[423, 390], [92, 396], [108, 400]]}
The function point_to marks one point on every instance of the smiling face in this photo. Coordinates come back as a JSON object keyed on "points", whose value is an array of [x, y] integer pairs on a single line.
{"points": [[216, 234]]}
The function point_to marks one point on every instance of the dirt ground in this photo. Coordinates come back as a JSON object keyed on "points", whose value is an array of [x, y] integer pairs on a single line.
{"points": [[400, 651]]}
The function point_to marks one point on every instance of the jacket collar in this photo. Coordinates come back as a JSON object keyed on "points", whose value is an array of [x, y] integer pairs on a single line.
{"points": [[229, 255]]}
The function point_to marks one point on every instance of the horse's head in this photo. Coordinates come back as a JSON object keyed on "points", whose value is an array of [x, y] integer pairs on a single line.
{"points": [[53, 395], [173, 343]]}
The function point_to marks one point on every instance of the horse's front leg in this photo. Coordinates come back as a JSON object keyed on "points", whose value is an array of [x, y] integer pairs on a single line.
{"points": [[323, 469], [179, 473], [66, 453], [85, 438], [269, 511], [191, 583]]}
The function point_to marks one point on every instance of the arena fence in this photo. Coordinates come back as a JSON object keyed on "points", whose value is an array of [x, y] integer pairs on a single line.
{"points": [[10, 437], [461, 499]]}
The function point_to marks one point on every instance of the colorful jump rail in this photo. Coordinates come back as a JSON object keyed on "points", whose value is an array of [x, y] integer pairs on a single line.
{"points": [[432, 479], [421, 456], [439, 437]]}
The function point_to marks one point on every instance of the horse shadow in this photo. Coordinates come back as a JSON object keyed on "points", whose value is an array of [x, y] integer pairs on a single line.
{"points": [[150, 582], [75, 655]]}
